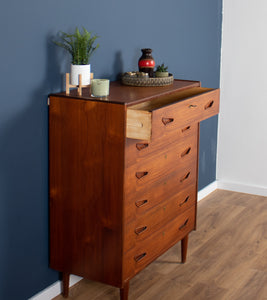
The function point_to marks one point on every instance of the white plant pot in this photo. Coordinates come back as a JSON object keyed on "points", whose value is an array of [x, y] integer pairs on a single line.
{"points": [[75, 70]]}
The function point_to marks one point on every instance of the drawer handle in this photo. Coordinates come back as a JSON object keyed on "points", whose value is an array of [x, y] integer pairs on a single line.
{"points": [[184, 225], [209, 105], [192, 105], [186, 199], [140, 230], [185, 177], [186, 152], [186, 128], [141, 146], [166, 121], [139, 175], [141, 203], [139, 257]]}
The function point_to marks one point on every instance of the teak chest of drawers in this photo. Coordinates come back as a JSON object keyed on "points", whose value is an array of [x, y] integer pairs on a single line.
{"points": [[123, 177]]}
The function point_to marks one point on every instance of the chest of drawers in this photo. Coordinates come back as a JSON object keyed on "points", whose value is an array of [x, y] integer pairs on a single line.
{"points": [[123, 177]]}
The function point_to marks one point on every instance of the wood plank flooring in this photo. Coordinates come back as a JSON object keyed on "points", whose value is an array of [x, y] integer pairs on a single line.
{"points": [[227, 258]]}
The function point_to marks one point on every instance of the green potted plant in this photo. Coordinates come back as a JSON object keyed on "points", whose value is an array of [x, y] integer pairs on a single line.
{"points": [[80, 45], [161, 71]]}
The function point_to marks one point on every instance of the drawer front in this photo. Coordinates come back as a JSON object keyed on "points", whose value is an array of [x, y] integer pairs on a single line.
{"points": [[160, 174], [164, 162], [148, 250], [173, 112], [150, 195], [184, 113], [148, 221], [181, 138]]}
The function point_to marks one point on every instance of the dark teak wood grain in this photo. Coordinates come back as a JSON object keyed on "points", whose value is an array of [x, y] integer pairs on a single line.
{"points": [[128, 95], [116, 204], [86, 188]]}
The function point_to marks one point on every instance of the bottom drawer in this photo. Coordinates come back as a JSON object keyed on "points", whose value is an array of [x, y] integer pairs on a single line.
{"points": [[148, 250]]}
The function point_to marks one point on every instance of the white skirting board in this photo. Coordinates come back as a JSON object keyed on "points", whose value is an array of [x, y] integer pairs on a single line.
{"points": [[55, 289], [232, 186], [207, 190], [242, 188]]}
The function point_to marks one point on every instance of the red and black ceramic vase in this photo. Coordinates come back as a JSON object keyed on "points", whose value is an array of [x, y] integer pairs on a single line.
{"points": [[146, 62]]}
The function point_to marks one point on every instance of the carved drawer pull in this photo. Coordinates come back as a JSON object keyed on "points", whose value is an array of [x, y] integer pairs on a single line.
{"points": [[140, 230], [186, 199], [192, 105], [139, 257], [186, 128], [141, 146], [183, 226], [140, 203], [186, 152], [166, 121], [185, 177], [139, 175], [209, 105]]}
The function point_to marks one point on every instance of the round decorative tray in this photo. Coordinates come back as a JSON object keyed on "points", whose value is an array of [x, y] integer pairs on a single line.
{"points": [[143, 81]]}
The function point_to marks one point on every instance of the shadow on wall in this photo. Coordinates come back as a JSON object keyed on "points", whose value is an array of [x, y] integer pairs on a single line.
{"points": [[118, 65], [24, 194], [117, 68]]}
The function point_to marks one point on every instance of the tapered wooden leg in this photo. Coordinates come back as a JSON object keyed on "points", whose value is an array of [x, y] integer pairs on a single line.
{"points": [[124, 291], [65, 284], [184, 248]]}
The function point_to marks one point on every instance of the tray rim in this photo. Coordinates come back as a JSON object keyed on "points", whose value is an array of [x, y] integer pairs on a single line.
{"points": [[147, 82]]}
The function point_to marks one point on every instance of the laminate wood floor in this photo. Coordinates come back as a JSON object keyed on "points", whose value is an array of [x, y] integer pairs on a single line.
{"points": [[226, 260]]}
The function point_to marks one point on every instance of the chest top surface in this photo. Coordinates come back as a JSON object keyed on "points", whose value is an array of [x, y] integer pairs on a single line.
{"points": [[131, 95]]}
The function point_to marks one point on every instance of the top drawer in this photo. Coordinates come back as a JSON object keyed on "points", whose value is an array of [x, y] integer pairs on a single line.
{"points": [[173, 111]]}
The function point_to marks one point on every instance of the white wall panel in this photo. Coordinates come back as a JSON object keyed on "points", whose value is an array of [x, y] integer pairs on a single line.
{"points": [[242, 138]]}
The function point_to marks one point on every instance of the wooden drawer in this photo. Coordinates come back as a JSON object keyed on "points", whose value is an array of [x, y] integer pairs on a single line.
{"points": [[157, 177], [141, 202], [153, 118], [148, 221], [150, 195], [148, 250], [163, 162], [178, 140]]}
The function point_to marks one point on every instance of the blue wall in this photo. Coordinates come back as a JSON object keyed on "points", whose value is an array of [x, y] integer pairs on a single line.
{"points": [[184, 34]]}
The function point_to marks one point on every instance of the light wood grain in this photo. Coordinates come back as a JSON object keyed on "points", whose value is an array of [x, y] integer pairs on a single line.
{"points": [[227, 258], [138, 124]]}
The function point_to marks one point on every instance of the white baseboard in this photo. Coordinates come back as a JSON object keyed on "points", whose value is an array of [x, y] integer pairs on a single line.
{"points": [[207, 190], [242, 188], [54, 290]]}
